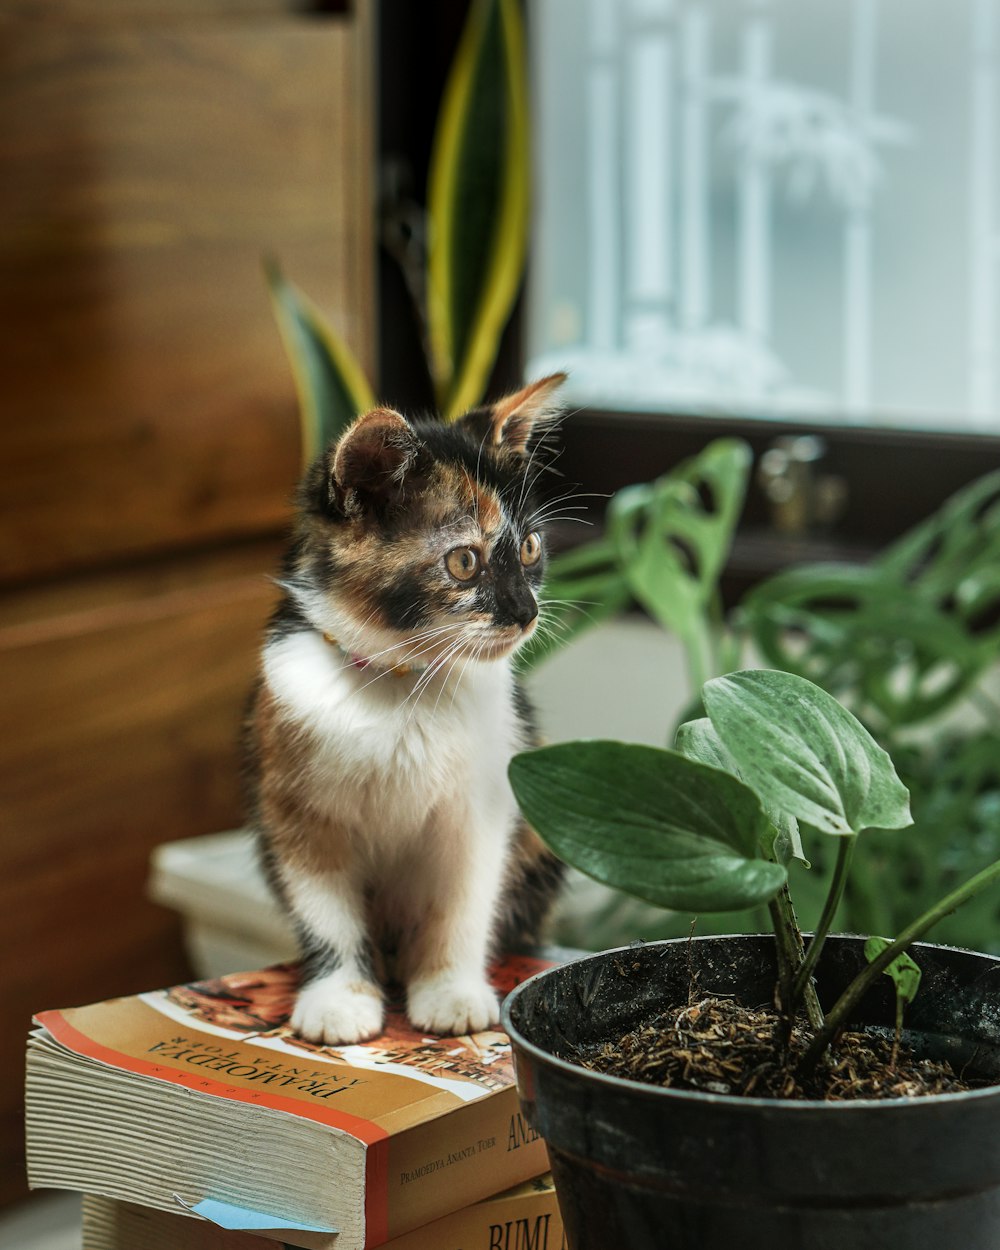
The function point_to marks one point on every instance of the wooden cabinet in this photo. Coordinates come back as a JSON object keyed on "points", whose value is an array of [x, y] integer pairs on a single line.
{"points": [[150, 155]]}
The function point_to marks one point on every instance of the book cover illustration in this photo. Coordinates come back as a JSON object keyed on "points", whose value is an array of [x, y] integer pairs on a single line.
{"points": [[255, 1006]]}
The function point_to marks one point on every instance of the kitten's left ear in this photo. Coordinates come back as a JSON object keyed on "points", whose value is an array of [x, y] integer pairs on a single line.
{"points": [[518, 419]]}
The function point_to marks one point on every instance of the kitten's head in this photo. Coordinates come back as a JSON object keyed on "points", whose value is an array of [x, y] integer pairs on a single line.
{"points": [[420, 542]]}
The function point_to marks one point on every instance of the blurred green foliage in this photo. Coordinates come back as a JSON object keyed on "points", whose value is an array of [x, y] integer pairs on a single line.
{"points": [[906, 642]]}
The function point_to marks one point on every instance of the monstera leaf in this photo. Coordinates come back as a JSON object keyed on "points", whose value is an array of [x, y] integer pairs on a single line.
{"points": [[665, 545], [893, 655], [673, 536], [477, 203], [953, 558], [331, 385], [906, 637]]}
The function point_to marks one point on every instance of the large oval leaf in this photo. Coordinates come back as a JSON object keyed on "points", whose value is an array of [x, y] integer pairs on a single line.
{"points": [[698, 740], [664, 828], [804, 753]]}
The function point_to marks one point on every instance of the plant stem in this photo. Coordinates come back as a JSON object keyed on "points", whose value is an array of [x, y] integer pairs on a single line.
{"points": [[791, 953], [867, 977], [845, 853], [784, 949]]}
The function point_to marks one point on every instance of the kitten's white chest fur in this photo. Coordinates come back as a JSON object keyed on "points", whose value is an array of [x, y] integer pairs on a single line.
{"points": [[385, 753], [413, 782]]}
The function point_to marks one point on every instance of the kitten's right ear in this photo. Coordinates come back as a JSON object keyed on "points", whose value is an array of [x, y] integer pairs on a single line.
{"points": [[375, 463], [518, 421]]}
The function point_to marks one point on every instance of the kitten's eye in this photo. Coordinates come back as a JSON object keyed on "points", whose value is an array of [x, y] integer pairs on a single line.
{"points": [[531, 549], [463, 563]]}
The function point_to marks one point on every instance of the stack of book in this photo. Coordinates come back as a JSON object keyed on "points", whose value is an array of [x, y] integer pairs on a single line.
{"points": [[193, 1118]]}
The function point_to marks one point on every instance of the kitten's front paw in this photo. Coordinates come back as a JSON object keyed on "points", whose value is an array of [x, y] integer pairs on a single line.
{"points": [[336, 1012], [452, 1005]]}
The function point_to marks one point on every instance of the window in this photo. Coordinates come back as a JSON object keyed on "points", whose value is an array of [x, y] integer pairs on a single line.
{"points": [[767, 207], [771, 209]]}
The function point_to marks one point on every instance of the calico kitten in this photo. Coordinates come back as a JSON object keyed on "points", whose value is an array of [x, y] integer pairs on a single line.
{"points": [[386, 713]]}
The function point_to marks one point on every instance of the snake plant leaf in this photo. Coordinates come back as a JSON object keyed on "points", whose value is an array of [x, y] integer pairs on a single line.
{"points": [[674, 535], [698, 740], [648, 821], [477, 203], [330, 383], [805, 754]]}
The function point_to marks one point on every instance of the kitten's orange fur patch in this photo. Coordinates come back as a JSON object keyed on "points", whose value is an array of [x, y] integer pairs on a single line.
{"points": [[516, 415], [284, 755], [363, 987]]}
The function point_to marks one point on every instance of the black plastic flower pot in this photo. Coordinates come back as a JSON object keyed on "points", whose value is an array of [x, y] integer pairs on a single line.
{"points": [[640, 1167]]}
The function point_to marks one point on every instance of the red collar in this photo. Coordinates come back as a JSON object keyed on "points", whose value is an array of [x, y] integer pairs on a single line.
{"points": [[361, 662]]}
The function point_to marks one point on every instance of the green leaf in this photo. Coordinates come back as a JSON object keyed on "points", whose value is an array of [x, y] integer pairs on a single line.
{"points": [[944, 556], [805, 754], [477, 203], [895, 656], [903, 972], [673, 536], [651, 822], [331, 385], [698, 740]]}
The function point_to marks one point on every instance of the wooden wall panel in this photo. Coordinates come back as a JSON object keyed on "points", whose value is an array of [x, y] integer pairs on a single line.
{"points": [[119, 723], [146, 171], [150, 154]]}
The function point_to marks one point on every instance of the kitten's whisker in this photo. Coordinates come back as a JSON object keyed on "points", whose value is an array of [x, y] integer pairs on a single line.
{"points": [[430, 633], [435, 665], [410, 656], [581, 607], [572, 603], [569, 498], [550, 624], [574, 493], [557, 516], [525, 486], [423, 683], [456, 684], [461, 678]]}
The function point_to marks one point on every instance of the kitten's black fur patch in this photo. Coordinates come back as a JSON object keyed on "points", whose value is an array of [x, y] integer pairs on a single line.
{"points": [[405, 604]]}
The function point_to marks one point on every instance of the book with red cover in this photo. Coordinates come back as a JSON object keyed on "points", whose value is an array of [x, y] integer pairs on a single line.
{"points": [[202, 1092]]}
